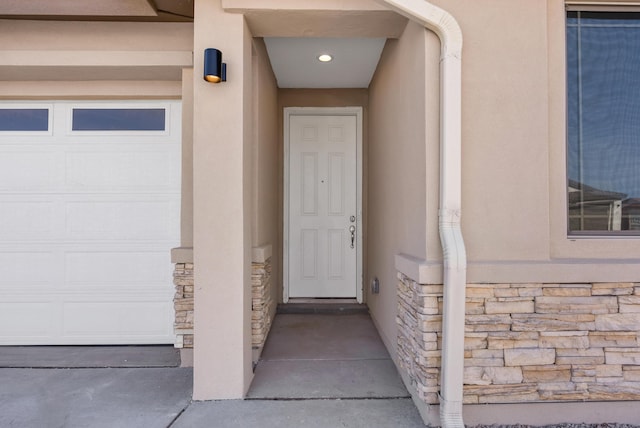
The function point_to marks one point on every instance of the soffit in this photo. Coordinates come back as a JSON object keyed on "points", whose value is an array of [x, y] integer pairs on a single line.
{"points": [[98, 10], [295, 61]]}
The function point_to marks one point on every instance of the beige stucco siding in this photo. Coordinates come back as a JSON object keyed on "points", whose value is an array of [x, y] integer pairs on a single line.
{"points": [[222, 209], [114, 36], [94, 51], [514, 154], [93, 90], [396, 163], [93, 60], [186, 206], [505, 129], [265, 163], [265, 148]]}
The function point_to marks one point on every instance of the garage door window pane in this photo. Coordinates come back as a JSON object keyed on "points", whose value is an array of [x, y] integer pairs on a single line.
{"points": [[118, 119], [24, 119]]}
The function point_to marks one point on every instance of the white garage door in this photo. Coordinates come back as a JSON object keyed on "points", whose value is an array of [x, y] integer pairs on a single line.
{"points": [[89, 210]]}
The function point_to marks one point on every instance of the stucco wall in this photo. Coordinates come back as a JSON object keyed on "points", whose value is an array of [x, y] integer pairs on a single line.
{"points": [[266, 167], [222, 146], [186, 205], [92, 51], [86, 35], [396, 164], [514, 153], [97, 60], [505, 129]]}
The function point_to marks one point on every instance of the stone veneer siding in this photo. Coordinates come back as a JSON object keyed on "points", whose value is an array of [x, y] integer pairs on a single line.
{"points": [[183, 305], [527, 342], [262, 303]]}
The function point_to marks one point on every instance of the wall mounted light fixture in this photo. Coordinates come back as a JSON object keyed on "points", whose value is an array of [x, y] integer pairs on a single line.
{"points": [[215, 71]]}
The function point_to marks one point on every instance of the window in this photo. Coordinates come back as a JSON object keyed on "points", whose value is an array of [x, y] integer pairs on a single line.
{"points": [[603, 153], [118, 119], [24, 119]]}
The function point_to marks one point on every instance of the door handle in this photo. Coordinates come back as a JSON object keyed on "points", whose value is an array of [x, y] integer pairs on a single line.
{"points": [[352, 229]]}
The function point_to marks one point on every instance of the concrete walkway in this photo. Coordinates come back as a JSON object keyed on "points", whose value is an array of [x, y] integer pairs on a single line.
{"points": [[316, 371], [325, 356]]}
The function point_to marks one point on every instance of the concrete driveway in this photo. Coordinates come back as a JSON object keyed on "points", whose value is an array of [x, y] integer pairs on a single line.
{"points": [[95, 397]]}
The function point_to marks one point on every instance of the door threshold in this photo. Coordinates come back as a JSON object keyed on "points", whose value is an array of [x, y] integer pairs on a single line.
{"points": [[321, 301], [322, 306]]}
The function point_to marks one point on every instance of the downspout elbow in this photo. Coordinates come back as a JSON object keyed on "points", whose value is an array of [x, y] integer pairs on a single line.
{"points": [[453, 250]]}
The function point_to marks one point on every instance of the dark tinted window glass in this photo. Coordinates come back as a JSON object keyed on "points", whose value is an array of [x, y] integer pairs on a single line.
{"points": [[603, 99], [118, 119], [27, 119]]}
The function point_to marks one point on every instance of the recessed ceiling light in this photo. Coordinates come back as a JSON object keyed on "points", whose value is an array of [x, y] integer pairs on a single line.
{"points": [[325, 58]]}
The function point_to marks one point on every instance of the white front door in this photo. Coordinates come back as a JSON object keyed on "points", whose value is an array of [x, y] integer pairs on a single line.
{"points": [[323, 210]]}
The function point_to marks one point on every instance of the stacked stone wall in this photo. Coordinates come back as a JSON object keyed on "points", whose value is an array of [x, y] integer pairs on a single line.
{"points": [[528, 342], [183, 305], [261, 303]]}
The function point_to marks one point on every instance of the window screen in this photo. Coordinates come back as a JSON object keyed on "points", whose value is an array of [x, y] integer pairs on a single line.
{"points": [[603, 83]]}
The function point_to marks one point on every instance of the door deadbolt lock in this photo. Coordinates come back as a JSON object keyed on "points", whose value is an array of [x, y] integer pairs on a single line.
{"points": [[352, 218]]}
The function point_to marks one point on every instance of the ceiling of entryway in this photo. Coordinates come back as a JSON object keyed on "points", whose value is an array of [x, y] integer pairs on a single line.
{"points": [[295, 61]]}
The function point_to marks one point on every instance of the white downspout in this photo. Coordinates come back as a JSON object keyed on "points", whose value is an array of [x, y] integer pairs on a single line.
{"points": [[454, 254]]}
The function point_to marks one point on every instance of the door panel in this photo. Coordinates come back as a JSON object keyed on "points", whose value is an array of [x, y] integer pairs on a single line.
{"points": [[322, 201]]}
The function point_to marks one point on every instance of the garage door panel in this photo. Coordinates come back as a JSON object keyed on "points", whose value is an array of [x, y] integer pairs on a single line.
{"points": [[118, 269], [22, 220], [27, 270], [125, 170], [27, 170], [121, 220], [116, 318], [33, 321]]}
